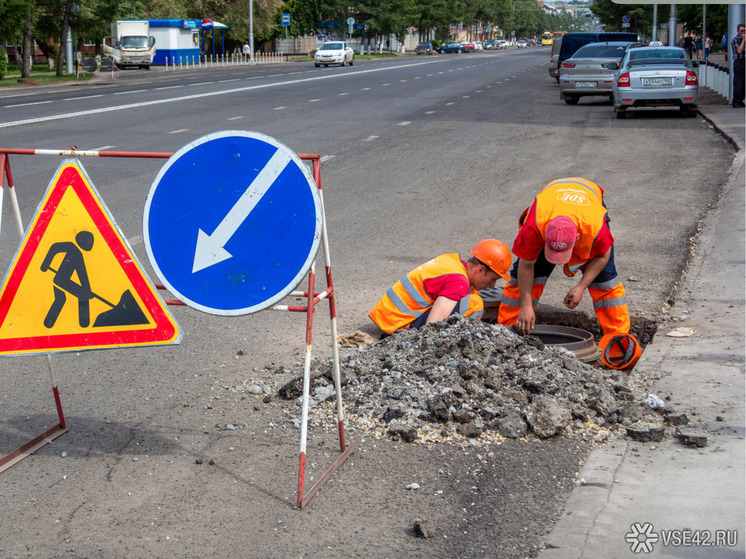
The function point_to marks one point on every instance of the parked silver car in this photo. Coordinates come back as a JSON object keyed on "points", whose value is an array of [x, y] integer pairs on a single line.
{"points": [[655, 77], [587, 71], [334, 52]]}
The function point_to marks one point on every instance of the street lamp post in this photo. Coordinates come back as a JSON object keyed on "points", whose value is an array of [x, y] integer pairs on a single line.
{"points": [[251, 30]]}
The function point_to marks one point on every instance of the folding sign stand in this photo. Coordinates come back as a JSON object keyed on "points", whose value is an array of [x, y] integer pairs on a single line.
{"points": [[313, 298], [50, 434], [61, 428]]}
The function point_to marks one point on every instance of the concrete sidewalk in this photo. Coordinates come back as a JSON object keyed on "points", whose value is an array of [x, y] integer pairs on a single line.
{"points": [[666, 499]]}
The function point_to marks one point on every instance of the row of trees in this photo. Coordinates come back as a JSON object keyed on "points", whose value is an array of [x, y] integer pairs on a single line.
{"points": [[46, 22], [610, 15]]}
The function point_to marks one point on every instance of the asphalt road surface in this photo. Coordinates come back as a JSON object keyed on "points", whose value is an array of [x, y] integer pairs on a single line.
{"points": [[420, 156]]}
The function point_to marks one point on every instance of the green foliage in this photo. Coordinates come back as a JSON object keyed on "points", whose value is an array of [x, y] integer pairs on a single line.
{"points": [[3, 63], [717, 19]]}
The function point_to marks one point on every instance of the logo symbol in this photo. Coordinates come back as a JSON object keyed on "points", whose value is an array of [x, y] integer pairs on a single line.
{"points": [[573, 196], [641, 537]]}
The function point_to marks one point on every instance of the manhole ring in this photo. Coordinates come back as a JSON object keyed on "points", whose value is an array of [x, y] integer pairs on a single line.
{"points": [[578, 341]]}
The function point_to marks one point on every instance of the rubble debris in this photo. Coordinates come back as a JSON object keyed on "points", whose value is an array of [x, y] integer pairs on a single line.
{"points": [[461, 377], [692, 439], [654, 402], [646, 432], [424, 528], [675, 419]]}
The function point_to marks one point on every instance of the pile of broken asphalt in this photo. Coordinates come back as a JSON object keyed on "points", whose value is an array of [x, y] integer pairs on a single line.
{"points": [[464, 380]]}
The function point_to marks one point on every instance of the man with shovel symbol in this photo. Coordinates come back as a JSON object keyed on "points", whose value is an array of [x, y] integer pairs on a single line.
{"points": [[126, 312]]}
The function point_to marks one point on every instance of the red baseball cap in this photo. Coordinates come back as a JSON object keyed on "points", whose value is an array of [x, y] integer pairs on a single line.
{"points": [[560, 236]]}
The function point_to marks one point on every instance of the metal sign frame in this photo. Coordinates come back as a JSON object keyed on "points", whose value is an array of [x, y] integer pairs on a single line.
{"points": [[312, 297]]}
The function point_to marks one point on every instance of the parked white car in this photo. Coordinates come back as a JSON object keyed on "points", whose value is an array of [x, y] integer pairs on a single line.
{"points": [[479, 45], [334, 52]]}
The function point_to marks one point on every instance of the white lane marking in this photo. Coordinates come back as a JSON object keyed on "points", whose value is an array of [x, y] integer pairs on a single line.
{"points": [[314, 100], [101, 148], [429, 112], [130, 92], [200, 83], [366, 89], [179, 131], [451, 103], [28, 104], [325, 158], [236, 117], [370, 138], [340, 94], [84, 97], [465, 96], [405, 123], [279, 108], [169, 87], [231, 80], [385, 84], [172, 100]]}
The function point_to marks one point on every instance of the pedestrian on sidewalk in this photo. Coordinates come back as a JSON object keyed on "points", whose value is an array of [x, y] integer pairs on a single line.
{"points": [[441, 287], [708, 47], [737, 46], [698, 47], [567, 224]]}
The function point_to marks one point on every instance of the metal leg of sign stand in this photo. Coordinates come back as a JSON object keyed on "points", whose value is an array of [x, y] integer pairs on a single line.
{"points": [[46, 437], [50, 434], [313, 299], [5, 172]]}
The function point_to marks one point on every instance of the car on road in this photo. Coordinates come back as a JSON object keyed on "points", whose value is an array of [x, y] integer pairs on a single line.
{"points": [[490, 45], [502, 44], [479, 45], [587, 72], [655, 77], [469, 46], [451, 47], [334, 52], [553, 66], [424, 48], [522, 44]]}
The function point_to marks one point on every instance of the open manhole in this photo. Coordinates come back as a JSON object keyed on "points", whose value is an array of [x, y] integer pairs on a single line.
{"points": [[580, 342]]}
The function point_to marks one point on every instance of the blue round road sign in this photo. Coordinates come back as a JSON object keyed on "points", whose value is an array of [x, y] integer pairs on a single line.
{"points": [[232, 222]]}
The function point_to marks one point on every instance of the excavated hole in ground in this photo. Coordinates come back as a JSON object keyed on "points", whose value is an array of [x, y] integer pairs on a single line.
{"points": [[641, 328]]}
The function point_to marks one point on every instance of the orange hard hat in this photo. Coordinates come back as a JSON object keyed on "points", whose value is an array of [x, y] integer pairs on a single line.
{"points": [[619, 351], [495, 254]]}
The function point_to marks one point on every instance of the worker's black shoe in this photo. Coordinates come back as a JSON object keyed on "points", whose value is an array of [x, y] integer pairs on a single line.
{"points": [[738, 104]]}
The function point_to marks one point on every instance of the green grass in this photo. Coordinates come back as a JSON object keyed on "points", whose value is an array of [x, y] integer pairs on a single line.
{"points": [[45, 78]]}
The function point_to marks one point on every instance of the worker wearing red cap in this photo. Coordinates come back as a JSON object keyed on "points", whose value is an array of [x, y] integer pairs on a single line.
{"points": [[443, 286], [567, 225]]}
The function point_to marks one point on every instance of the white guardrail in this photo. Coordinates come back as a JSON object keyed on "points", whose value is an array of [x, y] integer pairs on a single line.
{"points": [[187, 62]]}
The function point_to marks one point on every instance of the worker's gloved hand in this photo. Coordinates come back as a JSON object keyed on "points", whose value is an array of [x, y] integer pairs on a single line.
{"points": [[573, 297], [525, 322]]}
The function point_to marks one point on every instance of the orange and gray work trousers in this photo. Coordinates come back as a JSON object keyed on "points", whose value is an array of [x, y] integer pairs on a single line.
{"points": [[607, 292]]}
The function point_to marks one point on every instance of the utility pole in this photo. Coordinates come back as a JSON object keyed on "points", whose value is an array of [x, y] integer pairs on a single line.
{"points": [[251, 30]]}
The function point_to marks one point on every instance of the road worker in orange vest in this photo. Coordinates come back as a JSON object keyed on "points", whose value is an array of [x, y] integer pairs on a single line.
{"points": [[443, 286], [566, 225]]}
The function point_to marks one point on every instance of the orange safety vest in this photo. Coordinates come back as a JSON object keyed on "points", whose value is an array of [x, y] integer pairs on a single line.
{"points": [[407, 299], [580, 200]]}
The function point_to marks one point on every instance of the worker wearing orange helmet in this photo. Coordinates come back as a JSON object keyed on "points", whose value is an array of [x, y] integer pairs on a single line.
{"points": [[567, 225], [443, 286]]}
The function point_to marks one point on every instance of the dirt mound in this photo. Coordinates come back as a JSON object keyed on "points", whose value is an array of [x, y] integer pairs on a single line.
{"points": [[464, 378]]}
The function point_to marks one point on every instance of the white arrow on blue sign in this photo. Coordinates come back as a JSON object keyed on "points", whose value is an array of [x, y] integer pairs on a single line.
{"points": [[232, 222]]}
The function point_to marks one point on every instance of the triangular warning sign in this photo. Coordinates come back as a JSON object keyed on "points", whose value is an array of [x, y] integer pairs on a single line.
{"points": [[75, 283]]}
